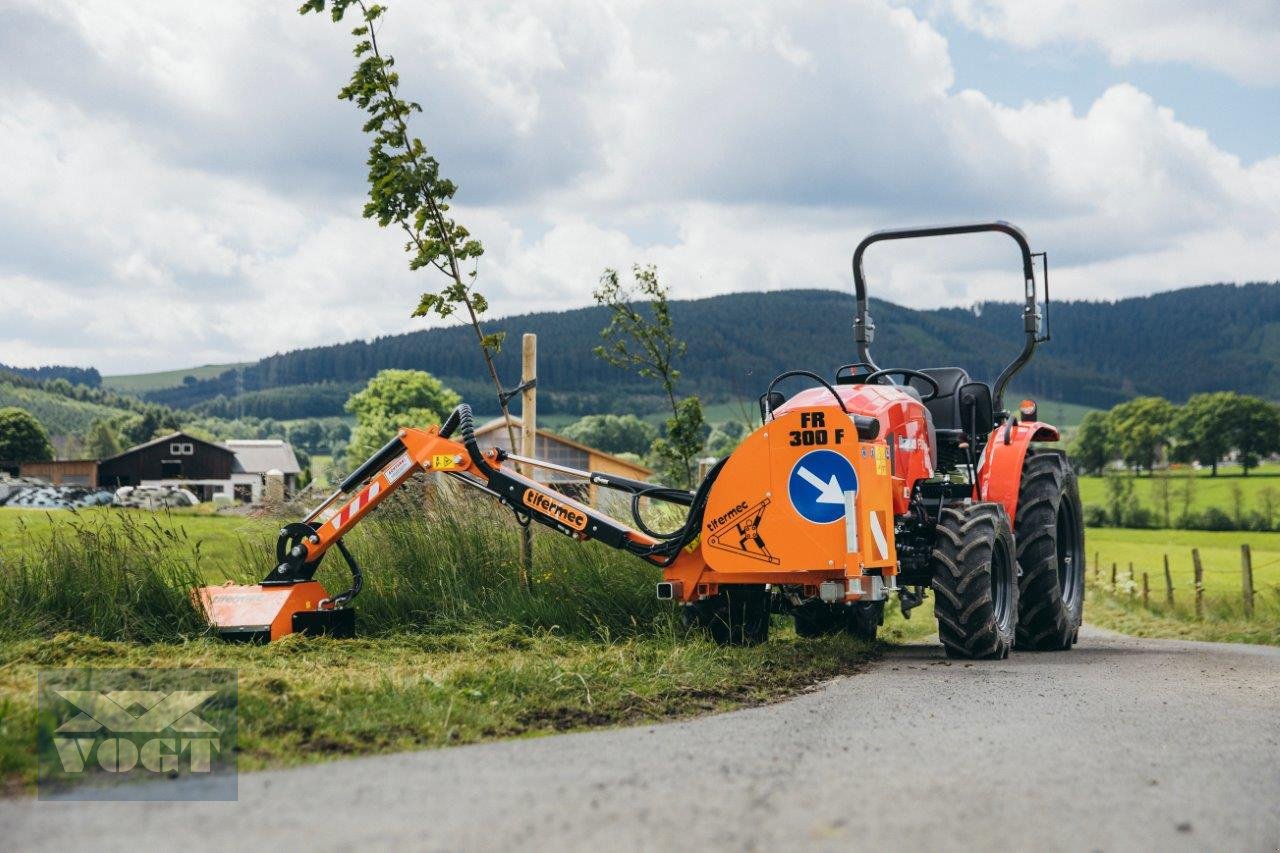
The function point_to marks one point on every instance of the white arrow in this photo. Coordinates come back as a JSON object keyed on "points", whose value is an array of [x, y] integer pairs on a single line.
{"points": [[830, 491]]}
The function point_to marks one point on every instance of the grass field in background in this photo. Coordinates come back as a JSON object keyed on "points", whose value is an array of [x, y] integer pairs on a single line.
{"points": [[218, 537], [140, 383], [320, 465], [1206, 491]]}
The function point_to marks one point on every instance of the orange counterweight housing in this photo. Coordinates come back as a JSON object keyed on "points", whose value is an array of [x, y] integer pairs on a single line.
{"points": [[801, 501]]}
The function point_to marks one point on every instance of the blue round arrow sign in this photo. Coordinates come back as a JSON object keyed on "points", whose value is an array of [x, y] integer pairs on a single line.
{"points": [[817, 485]]}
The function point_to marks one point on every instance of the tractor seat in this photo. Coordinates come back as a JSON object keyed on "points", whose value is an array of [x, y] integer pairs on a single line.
{"points": [[945, 408]]}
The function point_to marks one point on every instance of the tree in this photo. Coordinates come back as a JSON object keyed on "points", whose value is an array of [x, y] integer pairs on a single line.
{"points": [[1141, 428], [1254, 430], [103, 440], [643, 341], [393, 399], [1092, 446], [675, 454], [725, 438], [613, 433], [407, 190], [1202, 427], [22, 437]]}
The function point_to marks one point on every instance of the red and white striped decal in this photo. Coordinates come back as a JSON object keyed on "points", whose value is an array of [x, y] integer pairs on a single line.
{"points": [[877, 534], [362, 500]]}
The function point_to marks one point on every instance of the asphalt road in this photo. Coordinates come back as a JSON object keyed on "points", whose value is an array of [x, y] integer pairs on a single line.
{"points": [[1122, 744]]}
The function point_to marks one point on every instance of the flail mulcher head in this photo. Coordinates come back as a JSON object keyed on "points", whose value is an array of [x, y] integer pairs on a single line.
{"points": [[289, 600]]}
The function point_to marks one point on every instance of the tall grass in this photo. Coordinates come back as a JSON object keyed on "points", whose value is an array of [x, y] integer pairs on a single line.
{"points": [[120, 577], [439, 559], [436, 560]]}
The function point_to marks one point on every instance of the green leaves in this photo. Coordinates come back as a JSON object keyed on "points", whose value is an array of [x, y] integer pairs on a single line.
{"points": [[493, 341], [406, 188], [648, 345]]}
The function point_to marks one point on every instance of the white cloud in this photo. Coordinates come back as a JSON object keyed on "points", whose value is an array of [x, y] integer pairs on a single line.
{"points": [[1240, 38], [180, 185]]}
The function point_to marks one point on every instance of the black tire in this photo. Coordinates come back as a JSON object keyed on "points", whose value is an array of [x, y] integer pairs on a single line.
{"points": [[975, 581], [864, 618], [817, 619], [736, 616], [1050, 535]]}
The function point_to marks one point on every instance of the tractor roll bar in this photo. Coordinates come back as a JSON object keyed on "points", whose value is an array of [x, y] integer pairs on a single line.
{"points": [[864, 329]]}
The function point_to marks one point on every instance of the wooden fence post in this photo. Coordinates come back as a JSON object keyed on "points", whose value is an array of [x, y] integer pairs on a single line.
{"points": [[1168, 582], [1246, 571], [528, 439], [1113, 577], [1146, 590], [1133, 582], [1199, 570]]}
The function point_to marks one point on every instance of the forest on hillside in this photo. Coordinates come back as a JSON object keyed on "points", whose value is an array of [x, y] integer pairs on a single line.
{"points": [[1169, 344]]}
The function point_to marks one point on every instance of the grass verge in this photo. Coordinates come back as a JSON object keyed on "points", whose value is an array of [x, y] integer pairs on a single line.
{"points": [[453, 648], [1108, 611], [304, 700]]}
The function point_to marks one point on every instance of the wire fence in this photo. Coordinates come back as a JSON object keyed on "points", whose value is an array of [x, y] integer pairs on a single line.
{"points": [[1152, 587]]}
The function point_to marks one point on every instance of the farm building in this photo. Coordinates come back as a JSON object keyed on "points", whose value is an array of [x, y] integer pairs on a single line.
{"points": [[63, 472], [234, 470], [563, 451], [255, 457]]}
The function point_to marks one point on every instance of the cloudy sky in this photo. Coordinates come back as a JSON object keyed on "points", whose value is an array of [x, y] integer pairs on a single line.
{"points": [[179, 184]]}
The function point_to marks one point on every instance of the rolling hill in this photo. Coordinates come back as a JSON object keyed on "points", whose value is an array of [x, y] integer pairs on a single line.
{"points": [[61, 415], [140, 383], [1171, 344]]}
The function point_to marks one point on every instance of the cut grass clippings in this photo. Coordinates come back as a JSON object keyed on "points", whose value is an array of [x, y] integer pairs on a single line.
{"points": [[304, 700]]}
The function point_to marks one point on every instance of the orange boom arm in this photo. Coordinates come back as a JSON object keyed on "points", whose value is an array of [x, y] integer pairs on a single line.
{"points": [[303, 544], [288, 600]]}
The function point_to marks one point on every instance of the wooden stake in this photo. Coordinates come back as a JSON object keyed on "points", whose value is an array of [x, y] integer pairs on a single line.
{"points": [[1133, 586], [1168, 582], [1246, 572], [1113, 577], [1146, 590], [528, 441], [1199, 574]]}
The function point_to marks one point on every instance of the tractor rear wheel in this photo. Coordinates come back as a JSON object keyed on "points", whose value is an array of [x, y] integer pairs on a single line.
{"points": [[1050, 535], [975, 581], [737, 615]]}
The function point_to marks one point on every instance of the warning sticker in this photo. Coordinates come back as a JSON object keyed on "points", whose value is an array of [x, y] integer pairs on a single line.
{"points": [[443, 462]]}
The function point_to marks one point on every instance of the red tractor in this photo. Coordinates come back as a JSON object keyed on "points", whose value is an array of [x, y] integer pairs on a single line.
{"points": [[886, 480]]}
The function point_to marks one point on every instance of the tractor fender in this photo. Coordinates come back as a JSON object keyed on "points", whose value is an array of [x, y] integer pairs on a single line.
{"points": [[1000, 470]]}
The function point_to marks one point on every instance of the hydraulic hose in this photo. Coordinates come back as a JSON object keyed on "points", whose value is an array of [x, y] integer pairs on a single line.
{"points": [[462, 419], [450, 423]]}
